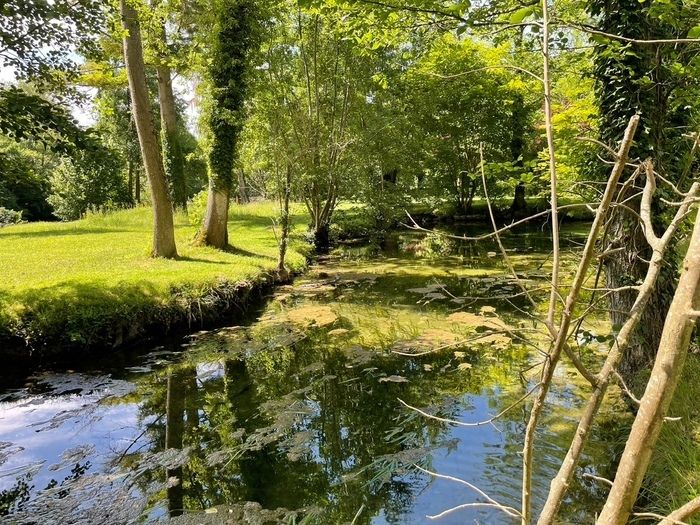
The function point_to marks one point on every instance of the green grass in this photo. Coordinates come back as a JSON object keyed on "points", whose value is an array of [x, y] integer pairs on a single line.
{"points": [[673, 477], [71, 282]]}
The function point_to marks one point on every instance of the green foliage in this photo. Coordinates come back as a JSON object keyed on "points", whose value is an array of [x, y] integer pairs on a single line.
{"points": [[38, 38], [24, 175], [235, 32], [196, 207], [24, 115], [658, 82], [460, 102], [90, 180], [8, 217]]}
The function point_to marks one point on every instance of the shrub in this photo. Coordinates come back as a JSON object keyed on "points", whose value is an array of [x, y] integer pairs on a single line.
{"points": [[196, 207], [23, 179], [8, 217], [90, 180]]}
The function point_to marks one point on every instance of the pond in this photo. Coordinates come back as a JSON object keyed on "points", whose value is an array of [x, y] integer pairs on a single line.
{"points": [[302, 414]]}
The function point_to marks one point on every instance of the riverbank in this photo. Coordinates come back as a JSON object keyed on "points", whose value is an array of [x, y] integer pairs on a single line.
{"points": [[90, 284]]}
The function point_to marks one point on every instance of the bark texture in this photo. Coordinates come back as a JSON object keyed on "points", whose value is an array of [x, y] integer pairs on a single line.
{"points": [[163, 229], [668, 365], [214, 230], [235, 35], [621, 94], [174, 160]]}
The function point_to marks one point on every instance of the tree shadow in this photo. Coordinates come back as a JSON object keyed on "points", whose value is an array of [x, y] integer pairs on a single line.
{"points": [[61, 233], [245, 253], [187, 258]]}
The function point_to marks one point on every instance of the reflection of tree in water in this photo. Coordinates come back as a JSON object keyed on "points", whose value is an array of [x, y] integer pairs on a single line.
{"points": [[15, 499], [302, 426]]}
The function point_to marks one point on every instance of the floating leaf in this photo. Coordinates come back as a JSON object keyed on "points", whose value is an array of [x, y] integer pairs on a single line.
{"points": [[476, 320], [313, 315], [393, 379]]}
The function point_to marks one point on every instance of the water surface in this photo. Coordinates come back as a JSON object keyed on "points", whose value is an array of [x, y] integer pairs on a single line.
{"points": [[302, 414]]}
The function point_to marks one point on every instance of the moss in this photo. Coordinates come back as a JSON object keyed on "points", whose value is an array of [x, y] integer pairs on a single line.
{"points": [[91, 281]]}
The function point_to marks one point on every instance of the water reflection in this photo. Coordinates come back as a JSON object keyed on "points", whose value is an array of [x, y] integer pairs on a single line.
{"points": [[297, 415]]}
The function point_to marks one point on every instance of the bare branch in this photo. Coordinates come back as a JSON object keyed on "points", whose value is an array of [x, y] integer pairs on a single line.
{"points": [[508, 510], [592, 30], [626, 389], [606, 481], [560, 342], [683, 513], [478, 423]]}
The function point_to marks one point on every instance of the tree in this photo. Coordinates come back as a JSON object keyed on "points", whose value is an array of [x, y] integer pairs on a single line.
{"points": [[173, 155], [666, 372], [24, 184], [307, 103], [163, 228], [456, 111], [652, 80], [234, 38]]}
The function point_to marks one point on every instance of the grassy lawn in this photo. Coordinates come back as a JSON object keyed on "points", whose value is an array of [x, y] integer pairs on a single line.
{"points": [[73, 279]]}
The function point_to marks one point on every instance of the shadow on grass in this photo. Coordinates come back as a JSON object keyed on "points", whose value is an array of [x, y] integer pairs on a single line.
{"points": [[240, 220], [246, 253], [61, 233], [187, 258]]}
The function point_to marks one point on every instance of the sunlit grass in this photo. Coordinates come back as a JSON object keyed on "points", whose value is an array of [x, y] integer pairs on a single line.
{"points": [[101, 266]]}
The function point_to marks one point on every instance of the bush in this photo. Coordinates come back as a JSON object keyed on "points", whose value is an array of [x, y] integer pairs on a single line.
{"points": [[196, 207], [8, 217], [91, 180], [24, 183]]}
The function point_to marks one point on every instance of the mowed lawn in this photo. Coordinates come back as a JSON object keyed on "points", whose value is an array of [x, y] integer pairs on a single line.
{"points": [[99, 267]]}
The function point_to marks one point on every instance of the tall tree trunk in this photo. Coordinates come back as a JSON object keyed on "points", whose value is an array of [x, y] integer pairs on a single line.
{"points": [[243, 195], [137, 186], [620, 95], [670, 358], [163, 228], [130, 179], [214, 230], [284, 223], [229, 62], [174, 160]]}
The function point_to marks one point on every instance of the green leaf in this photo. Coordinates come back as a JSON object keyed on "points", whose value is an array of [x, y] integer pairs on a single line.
{"points": [[694, 32], [521, 14]]}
